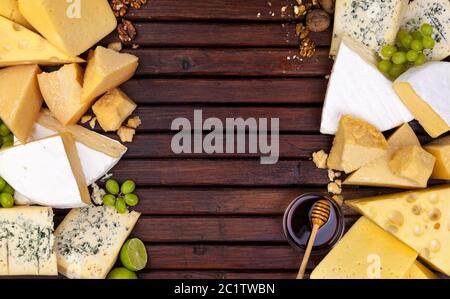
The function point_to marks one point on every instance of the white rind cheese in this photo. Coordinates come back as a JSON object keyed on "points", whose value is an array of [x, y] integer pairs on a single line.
{"points": [[26, 241], [436, 13], [357, 88], [374, 23], [89, 240]]}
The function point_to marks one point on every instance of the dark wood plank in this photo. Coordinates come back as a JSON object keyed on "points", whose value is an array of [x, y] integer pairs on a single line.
{"points": [[199, 34], [206, 274], [230, 62], [214, 10], [229, 91]]}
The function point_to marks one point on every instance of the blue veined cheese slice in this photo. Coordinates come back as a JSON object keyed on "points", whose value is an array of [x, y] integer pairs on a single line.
{"points": [[374, 23], [356, 87], [89, 240], [436, 13]]}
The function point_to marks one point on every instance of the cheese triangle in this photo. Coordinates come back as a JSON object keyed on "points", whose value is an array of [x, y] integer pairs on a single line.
{"points": [[421, 219], [48, 172], [356, 87], [378, 172], [419, 271], [19, 45], [440, 149]]}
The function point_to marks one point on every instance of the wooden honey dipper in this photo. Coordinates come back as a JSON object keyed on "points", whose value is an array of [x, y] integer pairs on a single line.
{"points": [[319, 216]]}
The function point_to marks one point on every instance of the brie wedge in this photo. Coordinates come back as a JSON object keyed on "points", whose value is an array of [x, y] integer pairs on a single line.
{"points": [[357, 88]]}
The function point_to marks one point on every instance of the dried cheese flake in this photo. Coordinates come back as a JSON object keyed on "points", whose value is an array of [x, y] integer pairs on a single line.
{"points": [[126, 134], [134, 122], [320, 159]]}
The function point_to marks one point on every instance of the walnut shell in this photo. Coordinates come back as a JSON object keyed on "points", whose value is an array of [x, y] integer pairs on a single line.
{"points": [[317, 20]]}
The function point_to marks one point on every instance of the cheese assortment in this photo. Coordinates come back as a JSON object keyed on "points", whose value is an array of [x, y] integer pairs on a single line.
{"points": [[440, 149], [89, 239]]}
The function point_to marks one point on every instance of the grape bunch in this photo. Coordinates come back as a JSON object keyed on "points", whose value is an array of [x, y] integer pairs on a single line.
{"points": [[408, 51], [120, 197], [6, 137]]}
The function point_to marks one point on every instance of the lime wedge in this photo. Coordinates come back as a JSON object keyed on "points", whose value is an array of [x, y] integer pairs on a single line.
{"points": [[122, 273], [133, 255]]}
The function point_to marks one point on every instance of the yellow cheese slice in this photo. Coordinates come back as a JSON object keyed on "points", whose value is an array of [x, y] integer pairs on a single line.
{"points": [[440, 149], [421, 219], [366, 251], [10, 9], [378, 172], [419, 271]]}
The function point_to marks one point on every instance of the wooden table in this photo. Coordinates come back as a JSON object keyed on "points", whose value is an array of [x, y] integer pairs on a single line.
{"points": [[220, 216]]}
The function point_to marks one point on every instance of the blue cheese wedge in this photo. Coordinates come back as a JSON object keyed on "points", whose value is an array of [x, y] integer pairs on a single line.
{"points": [[372, 22], [89, 239], [436, 13], [26, 241]]}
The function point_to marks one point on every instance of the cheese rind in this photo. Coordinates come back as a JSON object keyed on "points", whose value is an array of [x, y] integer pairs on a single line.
{"points": [[366, 251], [440, 149], [374, 22], [420, 219], [89, 239], [425, 90], [20, 99], [23, 46], [72, 26], [356, 144], [356, 87], [10, 9], [436, 13]]}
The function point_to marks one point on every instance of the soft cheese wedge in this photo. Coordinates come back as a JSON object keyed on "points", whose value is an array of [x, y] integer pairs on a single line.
{"points": [[10, 9], [425, 91], [374, 23], [20, 45], [72, 26], [20, 99], [436, 13], [440, 149], [419, 271], [357, 88], [26, 241], [356, 144], [366, 251], [379, 172], [420, 219], [48, 172], [89, 239]]}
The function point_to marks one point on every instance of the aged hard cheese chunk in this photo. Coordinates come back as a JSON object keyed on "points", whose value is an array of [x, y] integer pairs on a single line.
{"points": [[440, 149], [436, 13], [26, 241], [358, 88], [62, 92], [366, 251], [89, 239], [420, 219], [374, 23], [10, 9], [419, 271], [22, 46], [356, 144], [48, 172], [379, 173], [425, 91], [113, 109], [20, 99], [71, 27]]}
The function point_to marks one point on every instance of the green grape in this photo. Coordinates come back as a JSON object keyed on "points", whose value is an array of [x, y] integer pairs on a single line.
{"points": [[2, 184], [401, 33], [396, 70], [412, 55], [109, 200], [421, 59], [416, 45], [406, 40], [128, 187], [426, 29], [399, 58], [121, 205], [8, 139], [428, 42], [8, 189], [384, 66], [131, 199], [388, 50], [4, 131], [112, 186], [417, 35], [6, 200]]}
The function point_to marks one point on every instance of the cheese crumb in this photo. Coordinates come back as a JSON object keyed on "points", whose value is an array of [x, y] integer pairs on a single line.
{"points": [[334, 188], [339, 199], [106, 177], [284, 8], [116, 46], [320, 159], [134, 122], [97, 194], [86, 119], [93, 122], [126, 134]]}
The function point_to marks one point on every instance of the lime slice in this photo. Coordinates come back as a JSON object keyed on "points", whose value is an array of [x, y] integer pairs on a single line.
{"points": [[122, 273], [133, 255]]}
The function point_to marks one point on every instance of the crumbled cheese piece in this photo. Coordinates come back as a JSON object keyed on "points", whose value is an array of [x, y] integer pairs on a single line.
{"points": [[97, 194], [331, 175], [106, 177], [134, 122], [86, 119], [334, 188], [320, 159], [284, 8], [339, 199], [116, 46], [93, 122], [126, 134]]}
